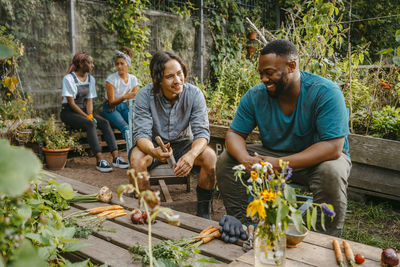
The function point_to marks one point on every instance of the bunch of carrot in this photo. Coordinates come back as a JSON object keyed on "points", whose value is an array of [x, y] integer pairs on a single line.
{"points": [[208, 234], [347, 251], [110, 212]]}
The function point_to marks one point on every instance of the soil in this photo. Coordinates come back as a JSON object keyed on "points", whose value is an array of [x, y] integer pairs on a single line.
{"points": [[84, 169]]}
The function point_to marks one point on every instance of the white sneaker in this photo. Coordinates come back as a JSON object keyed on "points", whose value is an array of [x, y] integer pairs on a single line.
{"points": [[103, 166], [119, 162]]}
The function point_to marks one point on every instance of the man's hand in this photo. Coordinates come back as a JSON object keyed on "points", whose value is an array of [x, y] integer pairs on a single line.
{"points": [[160, 155], [249, 161], [274, 161], [184, 165]]}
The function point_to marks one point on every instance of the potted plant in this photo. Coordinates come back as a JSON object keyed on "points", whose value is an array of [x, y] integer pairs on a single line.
{"points": [[55, 141]]}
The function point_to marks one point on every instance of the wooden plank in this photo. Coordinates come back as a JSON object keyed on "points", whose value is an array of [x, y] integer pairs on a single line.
{"points": [[104, 144], [369, 252], [101, 252], [375, 179], [123, 237], [375, 151], [361, 191], [247, 259], [164, 190], [220, 132], [161, 230], [186, 220]]}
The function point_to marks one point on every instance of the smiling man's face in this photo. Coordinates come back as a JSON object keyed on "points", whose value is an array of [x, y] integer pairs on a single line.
{"points": [[273, 71]]}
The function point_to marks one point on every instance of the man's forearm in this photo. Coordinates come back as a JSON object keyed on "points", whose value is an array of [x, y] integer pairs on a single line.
{"points": [[316, 153], [146, 146], [198, 146], [236, 146]]}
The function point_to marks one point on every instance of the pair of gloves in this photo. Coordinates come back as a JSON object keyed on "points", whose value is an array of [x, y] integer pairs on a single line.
{"points": [[231, 229], [91, 118]]}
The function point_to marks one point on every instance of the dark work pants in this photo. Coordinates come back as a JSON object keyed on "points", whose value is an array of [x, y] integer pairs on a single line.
{"points": [[78, 122], [327, 181]]}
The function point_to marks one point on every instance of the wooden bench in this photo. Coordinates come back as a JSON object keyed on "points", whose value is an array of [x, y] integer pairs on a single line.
{"points": [[163, 175], [112, 247]]}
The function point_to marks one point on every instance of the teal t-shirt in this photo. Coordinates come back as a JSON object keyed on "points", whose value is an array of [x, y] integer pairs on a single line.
{"points": [[320, 114]]}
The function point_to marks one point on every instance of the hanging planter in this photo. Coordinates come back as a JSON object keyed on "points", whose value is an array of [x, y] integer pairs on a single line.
{"points": [[56, 158]]}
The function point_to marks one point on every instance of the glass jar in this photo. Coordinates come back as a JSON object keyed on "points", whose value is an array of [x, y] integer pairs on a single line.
{"points": [[269, 253]]}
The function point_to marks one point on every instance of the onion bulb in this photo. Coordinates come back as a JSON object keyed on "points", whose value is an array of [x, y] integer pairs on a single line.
{"points": [[389, 257]]}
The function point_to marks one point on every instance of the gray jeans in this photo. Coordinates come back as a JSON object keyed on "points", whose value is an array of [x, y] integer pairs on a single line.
{"points": [[327, 181]]}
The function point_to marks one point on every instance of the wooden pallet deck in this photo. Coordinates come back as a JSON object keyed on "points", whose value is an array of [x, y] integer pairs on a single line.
{"points": [[112, 247]]}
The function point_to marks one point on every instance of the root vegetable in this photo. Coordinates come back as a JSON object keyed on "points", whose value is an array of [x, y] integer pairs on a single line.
{"points": [[137, 216], [104, 195], [338, 252], [105, 208], [389, 257]]}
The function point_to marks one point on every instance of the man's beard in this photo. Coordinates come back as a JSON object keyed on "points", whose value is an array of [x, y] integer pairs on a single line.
{"points": [[280, 87]]}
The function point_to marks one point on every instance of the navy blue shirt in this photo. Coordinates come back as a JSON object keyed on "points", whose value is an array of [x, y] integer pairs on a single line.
{"points": [[187, 119], [320, 114]]}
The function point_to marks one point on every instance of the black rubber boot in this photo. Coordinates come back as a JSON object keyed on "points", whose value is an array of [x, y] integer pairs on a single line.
{"points": [[204, 197]]}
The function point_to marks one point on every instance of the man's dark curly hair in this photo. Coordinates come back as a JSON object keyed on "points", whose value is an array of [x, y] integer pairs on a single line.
{"points": [[280, 48], [157, 66]]}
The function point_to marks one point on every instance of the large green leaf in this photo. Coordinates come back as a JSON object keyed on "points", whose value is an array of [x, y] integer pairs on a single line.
{"points": [[396, 60], [74, 246], [25, 212], [5, 52], [26, 255], [66, 191], [385, 51], [17, 166]]}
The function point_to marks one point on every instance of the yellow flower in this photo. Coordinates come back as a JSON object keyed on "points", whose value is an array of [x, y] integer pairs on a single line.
{"points": [[263, 163], [254, 175], [8, 94], [268, 195], [23, 109], [256, 206]]}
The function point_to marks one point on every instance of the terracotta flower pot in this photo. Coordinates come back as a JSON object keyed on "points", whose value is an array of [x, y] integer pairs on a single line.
{"points": [[253, 35], [56, 158], [251, 50]]}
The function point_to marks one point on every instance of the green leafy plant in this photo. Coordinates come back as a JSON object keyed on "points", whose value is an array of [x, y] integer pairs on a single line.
{"points": [[386, 123], [52, 136]]}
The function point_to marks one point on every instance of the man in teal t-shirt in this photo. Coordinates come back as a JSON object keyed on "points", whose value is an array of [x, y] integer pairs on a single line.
{"points": [[302, 118]]}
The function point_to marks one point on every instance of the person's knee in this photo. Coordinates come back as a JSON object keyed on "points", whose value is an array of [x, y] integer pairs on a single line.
{"points": [[208, 160], [333, 179]]}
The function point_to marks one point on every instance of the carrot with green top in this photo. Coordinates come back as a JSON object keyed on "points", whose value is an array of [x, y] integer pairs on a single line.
{"points": [[338, 252], [349, 253]]}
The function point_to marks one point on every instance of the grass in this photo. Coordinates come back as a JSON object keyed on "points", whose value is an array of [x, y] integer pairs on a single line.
{"points": [[375, 222]]}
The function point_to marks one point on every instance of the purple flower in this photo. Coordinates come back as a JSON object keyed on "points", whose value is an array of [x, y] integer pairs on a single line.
{"points": [[328, 212], [283, 185], [289, 173], [269, 177], [276, 188]]}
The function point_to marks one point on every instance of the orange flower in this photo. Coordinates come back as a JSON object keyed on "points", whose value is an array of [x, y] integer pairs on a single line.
{"points": [[268, 195], [254, 175]]}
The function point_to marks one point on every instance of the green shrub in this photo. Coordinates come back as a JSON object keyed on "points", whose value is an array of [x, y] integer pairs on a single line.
{"points": [[386, 123]]}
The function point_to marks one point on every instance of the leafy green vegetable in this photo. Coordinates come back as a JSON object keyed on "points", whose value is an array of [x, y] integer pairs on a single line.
{"points": [[171, 253]]}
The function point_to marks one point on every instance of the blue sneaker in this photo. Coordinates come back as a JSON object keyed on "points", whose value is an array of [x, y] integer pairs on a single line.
{"points": [[119, 162], [103, 166]]}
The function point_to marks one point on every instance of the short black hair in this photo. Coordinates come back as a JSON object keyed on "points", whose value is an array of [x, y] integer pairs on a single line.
{"points": [[280, 48], [157, 67]]}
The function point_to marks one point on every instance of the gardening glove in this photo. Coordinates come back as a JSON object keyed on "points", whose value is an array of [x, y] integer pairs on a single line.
{"points": [[91, 118], [231, 229]]}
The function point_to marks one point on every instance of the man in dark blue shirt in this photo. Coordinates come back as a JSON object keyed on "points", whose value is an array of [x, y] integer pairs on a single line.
{"points": [[177, 112], [302, 118]]}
